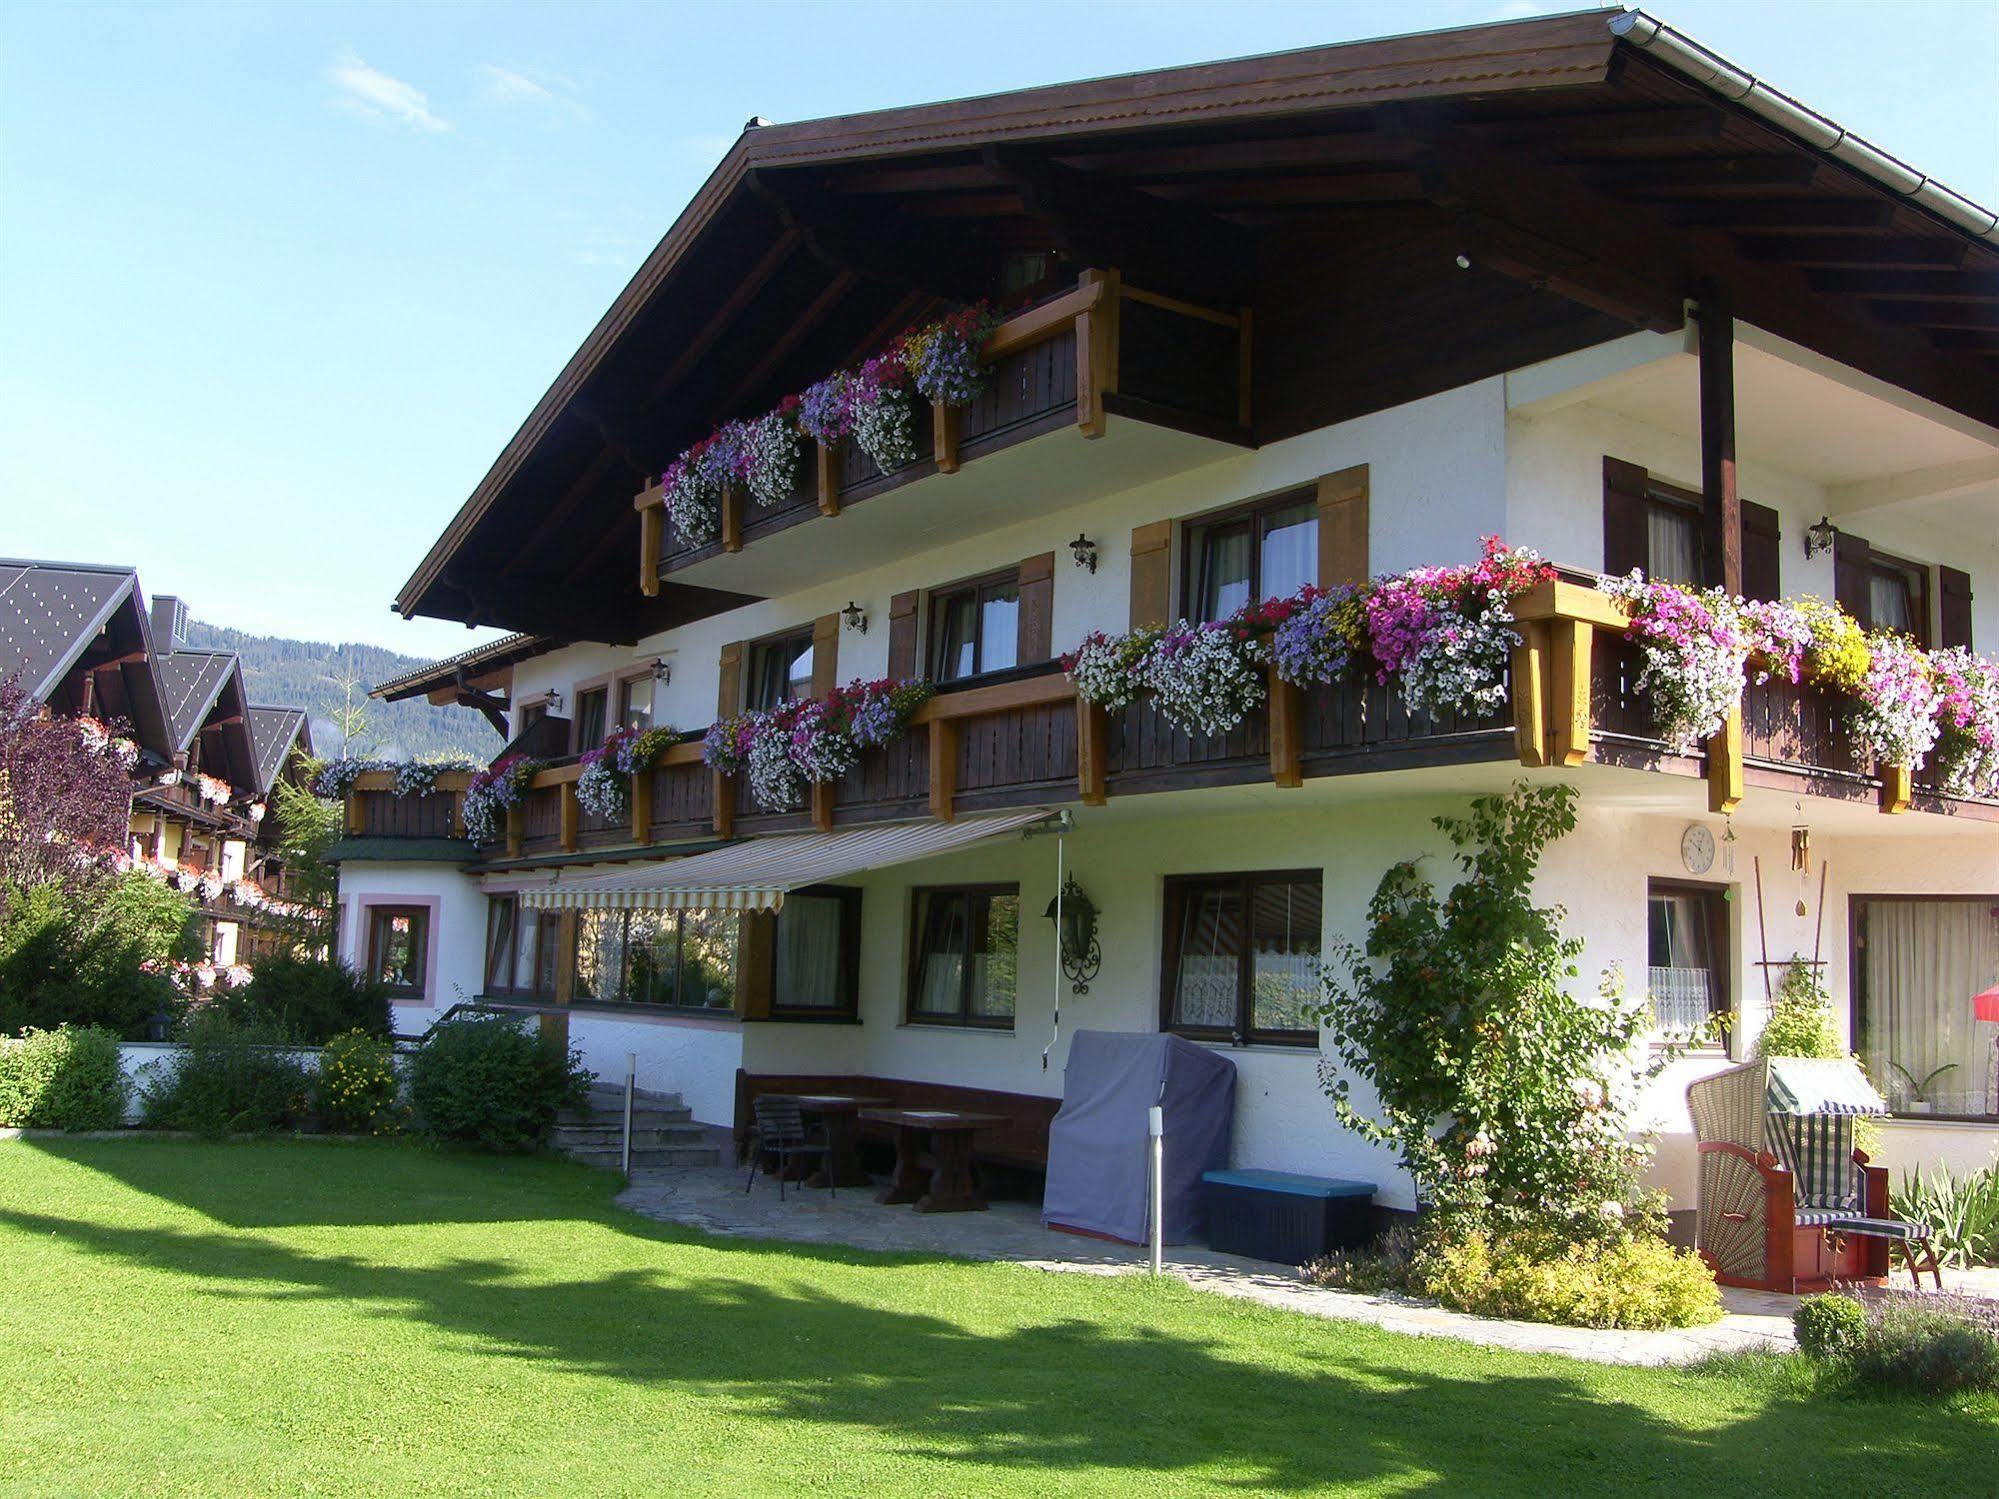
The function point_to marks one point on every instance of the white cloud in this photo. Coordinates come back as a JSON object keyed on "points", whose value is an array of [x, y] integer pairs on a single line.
{"points": [[374, 95], [505, 87]]}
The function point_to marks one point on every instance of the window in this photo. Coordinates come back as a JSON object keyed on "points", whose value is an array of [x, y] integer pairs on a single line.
{"points": [[635, 702], [591, 705], [780, 670], [398, 938], [816, 953], [520, 948], [1267, 550], [685, 960], [1242, 957], [1675, 546], [964, 954], [975, 628], [1916, 964], [1686, 958], [1898, 596]]}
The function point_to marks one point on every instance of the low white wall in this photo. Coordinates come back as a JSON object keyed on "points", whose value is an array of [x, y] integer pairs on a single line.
{"points": [[690, 1055], [145, 1061]]}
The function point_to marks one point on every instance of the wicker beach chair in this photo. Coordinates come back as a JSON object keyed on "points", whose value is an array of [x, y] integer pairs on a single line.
{"points": [[1786, 1201]]}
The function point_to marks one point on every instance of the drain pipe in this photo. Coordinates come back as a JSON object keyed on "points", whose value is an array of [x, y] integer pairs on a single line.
{"points": [[1688, 57]]}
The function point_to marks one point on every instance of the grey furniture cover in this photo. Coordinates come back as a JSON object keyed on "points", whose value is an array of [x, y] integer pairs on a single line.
{"points": [[1098, 1146]]}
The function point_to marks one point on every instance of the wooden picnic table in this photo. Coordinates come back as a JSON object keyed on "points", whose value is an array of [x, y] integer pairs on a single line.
{"points": [[838, 1113], [949, 1186]]}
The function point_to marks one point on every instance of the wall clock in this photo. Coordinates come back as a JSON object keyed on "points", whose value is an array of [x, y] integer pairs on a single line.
{"points": [[1697, 848]]}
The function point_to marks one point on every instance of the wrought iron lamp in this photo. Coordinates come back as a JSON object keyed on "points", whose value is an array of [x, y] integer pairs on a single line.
{"points": [[1075, 915], [856, 617], [1084, 551], [1819, 536]]}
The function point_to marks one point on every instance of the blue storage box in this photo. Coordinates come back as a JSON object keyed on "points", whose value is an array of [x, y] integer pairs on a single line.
{"points": [[1286, 1217]]}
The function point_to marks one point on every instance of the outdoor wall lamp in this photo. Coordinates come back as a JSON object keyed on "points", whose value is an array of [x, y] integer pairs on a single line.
{"points": [[1076, 932], [1819, 537], [1084, 551], [662, 671], [856, 617]]}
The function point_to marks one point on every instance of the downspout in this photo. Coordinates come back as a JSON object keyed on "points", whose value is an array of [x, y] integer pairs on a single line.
{"points": [[1688, 57]]}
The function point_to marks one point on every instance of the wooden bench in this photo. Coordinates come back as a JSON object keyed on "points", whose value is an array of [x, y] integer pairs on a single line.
{"points": [[1021, 1143]]}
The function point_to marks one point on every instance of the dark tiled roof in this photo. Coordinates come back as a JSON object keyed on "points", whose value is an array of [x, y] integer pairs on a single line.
{"points": [[273, 732], [51, 611], [191, 681], [502, 652]]}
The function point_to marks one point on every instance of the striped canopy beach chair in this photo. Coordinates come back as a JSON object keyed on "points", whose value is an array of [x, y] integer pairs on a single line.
{"points": [[1786, 1201]]}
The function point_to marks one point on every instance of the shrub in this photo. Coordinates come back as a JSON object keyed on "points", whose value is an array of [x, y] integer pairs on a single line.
{"points": [[90, 954], [1800, 1023], [229, 1077], [1830, 1327], [1962, 1213], [487, 1081], [1635, 1280], [357, 1085], [1383, 1265], [67, 1078], [309, 1000], [1927, 1351]]}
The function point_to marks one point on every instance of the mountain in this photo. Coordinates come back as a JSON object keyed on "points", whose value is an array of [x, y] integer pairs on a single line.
{"points": [[321, 678]]}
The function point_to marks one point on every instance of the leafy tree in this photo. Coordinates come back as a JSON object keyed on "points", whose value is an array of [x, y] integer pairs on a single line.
{"points": [[307, 827], [64, 795], [93, 953]]}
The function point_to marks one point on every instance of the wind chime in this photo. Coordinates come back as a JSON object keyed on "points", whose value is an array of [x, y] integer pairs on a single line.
{"points": [[1801, 866]]}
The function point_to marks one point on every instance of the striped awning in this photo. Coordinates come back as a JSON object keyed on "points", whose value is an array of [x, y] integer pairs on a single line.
{"points": [[1809, 1085], [755, 874]]}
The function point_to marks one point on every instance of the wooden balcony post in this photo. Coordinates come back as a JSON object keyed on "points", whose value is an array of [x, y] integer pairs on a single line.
{"points": [[944, 436], [725, 804], [571, 817], [1093, 730], [1287, 732], [826, 469], [1571, 645], [652, 527], [1530, 693], [1897, 788], [642, 807], [1724, 765], [822, 806], [943, 768], [517, 826], [357, 822], [1096, 352], [732, 518]]}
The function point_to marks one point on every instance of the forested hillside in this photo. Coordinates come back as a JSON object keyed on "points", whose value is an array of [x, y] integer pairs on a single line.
{"points": [[322, 678]]}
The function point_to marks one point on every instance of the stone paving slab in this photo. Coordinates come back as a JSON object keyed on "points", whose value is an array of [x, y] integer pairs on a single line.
{"points": [[714, 1201]]}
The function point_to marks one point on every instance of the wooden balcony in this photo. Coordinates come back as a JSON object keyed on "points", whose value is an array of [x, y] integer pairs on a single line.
{"points": [[1179, 373]]}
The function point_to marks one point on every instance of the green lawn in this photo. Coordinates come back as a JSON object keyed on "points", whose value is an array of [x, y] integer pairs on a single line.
{"points": [[236, 1318]]}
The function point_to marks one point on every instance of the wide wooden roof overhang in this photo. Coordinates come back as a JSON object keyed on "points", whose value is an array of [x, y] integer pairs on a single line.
{"points": [[1401, 216]]}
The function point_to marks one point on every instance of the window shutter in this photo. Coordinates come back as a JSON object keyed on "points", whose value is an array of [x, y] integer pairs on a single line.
{"points": [[1037, 609], [729, 692], [756, 963], [1954, 589], [1343, 527], [825, 654], [1152, 573], [1852, 564], [902, 636], [1623, 517], [1762, 568]]}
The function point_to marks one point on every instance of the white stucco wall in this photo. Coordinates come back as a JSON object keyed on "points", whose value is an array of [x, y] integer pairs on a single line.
{"points": [[458, 929], [693, 1056]]}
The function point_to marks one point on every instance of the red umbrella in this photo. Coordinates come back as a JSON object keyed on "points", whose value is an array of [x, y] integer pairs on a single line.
{"points": [[1985, 1004]]}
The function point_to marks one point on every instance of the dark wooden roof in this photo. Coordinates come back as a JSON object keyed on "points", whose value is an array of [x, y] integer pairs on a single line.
{"points": [[61, 620], [477, 664], [274, 734], [1591, 187]]}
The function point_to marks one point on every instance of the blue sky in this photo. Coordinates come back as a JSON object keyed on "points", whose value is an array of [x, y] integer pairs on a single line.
{"points": [[278, 282]]}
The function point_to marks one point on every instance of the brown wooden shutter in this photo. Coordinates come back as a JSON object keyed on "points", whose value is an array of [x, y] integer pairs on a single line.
{"points": [[1151, 573], [1762, 567], [1623, 517], [1954, 615], [902, 664], [1852, 567], [825, 654], [756, 964], [1343, 527], [1037, 609], [729, 689]]}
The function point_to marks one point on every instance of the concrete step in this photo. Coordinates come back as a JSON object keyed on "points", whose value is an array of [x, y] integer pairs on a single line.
{"points": [[683, 1155], [651, 1115], [608, 1137]]}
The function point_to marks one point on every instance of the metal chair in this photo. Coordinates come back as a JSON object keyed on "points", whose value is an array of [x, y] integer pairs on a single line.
{"points": [[780, 1131]]}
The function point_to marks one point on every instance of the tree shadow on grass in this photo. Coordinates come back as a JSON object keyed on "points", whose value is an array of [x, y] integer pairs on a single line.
{"points": [[770, 1330]]}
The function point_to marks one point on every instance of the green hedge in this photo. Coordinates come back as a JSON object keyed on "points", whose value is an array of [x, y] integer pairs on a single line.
{"points": [[67, 1078], [227, 1078], [308, 1000], [489, 1082]]}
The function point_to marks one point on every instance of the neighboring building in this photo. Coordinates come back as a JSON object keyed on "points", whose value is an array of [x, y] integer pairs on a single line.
{"points": [[84, 643], [1292, 319]]}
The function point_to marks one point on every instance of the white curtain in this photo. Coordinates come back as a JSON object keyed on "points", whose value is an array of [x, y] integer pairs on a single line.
{"points": [[1888, 603], [1672, 544], [1290, 557], [808, 953], [1680, 976], [1924, 960], [1210, 961]]}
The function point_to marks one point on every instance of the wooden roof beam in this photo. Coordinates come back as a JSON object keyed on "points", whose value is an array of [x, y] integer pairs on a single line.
{"points": [[1898, 250], [1784, 213], [782, 347], [773, 260], [1699, 174], [863, 240], [1617, 127], [1940, 286], [1353, 148]]}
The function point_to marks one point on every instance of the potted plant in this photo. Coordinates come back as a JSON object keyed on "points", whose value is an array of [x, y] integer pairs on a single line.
{"points": [[1918, 1101]]}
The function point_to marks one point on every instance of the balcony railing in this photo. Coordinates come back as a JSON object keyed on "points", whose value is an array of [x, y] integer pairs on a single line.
{"points": [[1101, 346], [1572, 698]]}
